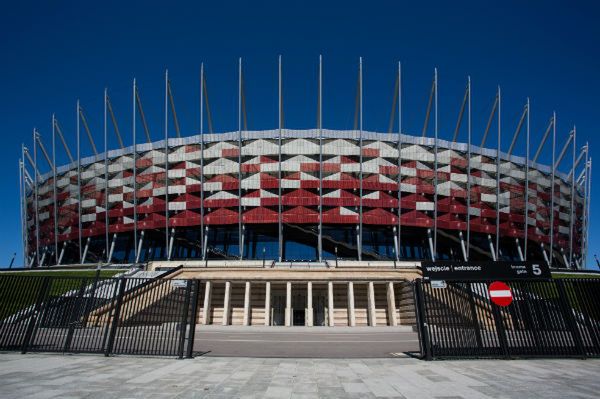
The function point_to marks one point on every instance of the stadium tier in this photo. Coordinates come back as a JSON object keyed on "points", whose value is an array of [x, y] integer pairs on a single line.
{"points": [[303, 195]]}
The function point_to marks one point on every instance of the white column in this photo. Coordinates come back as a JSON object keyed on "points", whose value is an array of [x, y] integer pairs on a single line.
{"points": [[330, 303], [309, 305], [62, 252], [371, 303], [207, 297], [391, 303], [139, 247], [351, 315], [247, 304], [288, 304], [268, 303], [170, 242], [85, 250], [227, 303], [112, 249]]}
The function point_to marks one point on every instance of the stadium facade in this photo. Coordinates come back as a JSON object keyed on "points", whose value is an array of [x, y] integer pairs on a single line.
{"points": [[307, 199], [242, 202]]}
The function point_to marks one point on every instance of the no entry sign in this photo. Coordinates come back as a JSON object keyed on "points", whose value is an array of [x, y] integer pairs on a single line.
{"points": [[500, 293]]}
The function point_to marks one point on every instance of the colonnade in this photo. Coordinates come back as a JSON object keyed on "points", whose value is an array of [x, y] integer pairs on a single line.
{"points": [[307, 303]]}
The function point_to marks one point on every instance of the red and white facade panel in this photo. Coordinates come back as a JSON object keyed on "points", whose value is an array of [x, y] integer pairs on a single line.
{"points": [[335, 182]]}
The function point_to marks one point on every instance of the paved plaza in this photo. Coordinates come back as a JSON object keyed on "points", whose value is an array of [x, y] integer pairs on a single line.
{"points": [[305, 342], [94, 376]]}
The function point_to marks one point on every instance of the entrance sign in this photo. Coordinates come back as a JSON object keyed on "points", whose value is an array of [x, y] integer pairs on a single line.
{"points": [[500, 293], [502, 270]]}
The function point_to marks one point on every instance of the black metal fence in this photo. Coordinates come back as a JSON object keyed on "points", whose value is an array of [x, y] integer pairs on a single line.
{"points": [[157, 316], [555, 318], [98, 315]]}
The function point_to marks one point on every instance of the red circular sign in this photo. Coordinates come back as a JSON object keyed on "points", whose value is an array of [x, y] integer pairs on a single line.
{"points": [[500, 293]]}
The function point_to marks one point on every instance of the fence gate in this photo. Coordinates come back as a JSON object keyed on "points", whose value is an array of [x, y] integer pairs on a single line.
{"points": [[546, 318], [98, 315], [156, 318], [63, 317]]}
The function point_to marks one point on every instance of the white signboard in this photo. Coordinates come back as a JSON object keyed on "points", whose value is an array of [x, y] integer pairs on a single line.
{"points": [[178, 283], [438, 283]]}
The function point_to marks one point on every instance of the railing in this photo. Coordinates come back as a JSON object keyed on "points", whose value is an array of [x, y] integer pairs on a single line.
{"points": [[557, 318], [98, 315]]}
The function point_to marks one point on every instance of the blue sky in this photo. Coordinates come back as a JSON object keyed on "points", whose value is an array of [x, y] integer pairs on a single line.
{"points": [[57, 52]]}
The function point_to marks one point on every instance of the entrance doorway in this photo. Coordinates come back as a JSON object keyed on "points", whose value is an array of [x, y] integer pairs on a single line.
{"points": [[299, 310], [278, 309], [319, 310]]}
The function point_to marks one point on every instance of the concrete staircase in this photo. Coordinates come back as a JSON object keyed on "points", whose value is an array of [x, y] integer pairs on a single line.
{"points": [[405, 304]]}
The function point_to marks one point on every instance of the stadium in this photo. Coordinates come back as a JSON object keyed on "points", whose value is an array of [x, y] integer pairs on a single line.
{"points": [[365, 204]]}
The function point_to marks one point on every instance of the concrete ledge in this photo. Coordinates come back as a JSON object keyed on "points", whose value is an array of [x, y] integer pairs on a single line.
{"points": [[300, 275], [270, 264], [304, 329]]}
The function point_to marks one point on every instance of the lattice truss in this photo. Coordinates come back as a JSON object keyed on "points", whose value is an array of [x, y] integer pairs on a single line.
{"points": [[303, 180]]}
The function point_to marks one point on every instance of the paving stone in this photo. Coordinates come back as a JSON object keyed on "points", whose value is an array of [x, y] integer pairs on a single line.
{"points": [[278, 392], [353, 387], [305, 395], [83, 376], [305, 387]]}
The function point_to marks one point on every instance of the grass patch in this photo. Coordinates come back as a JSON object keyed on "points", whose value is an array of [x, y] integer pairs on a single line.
{"points": [[65, 273], [19, 290], [575, 275], [580, 294]]}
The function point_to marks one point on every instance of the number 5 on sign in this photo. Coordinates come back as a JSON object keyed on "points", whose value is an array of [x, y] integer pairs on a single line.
{"points": [[536, 269]]}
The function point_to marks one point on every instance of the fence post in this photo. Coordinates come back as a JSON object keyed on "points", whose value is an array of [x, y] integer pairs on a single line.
{"points": [[192, 335], [567, 310], [74, 315], [38, 304], [473, 309], [500, 330], [91, 298], [184, 318], [422, 326], [586, 304], [116, 315]]}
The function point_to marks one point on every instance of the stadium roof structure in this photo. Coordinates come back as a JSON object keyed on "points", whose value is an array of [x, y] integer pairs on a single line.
{"points": [[316, 192]]}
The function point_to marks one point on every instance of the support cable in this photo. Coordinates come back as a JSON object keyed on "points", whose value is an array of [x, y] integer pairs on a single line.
{"points": [[544, 138], [208, 114], [582, 153], [244, 114], [394, 102], [35, 169], [142, 116], [357, 102], [87, 130], [517, 131], [175, 120], [44, 152], [28, 178], [460, 114], [489, 123], [428, 112], [114, 121], [62, 139], [563, 152]]}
